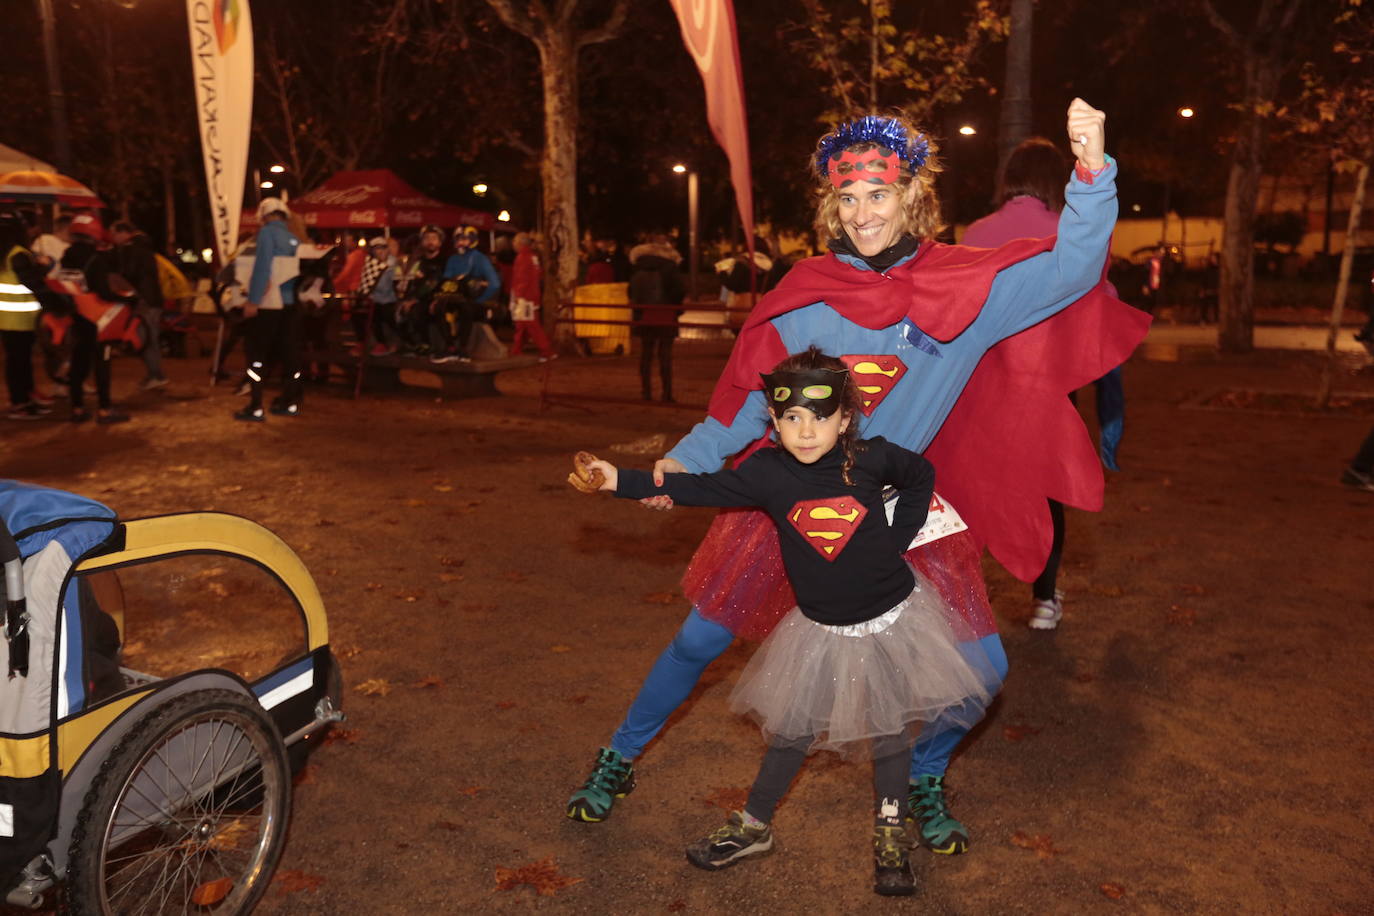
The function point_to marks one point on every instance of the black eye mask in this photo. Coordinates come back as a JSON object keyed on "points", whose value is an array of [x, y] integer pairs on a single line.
{"points": [[819, 390]]}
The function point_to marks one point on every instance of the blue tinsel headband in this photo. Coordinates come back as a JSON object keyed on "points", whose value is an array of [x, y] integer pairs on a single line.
{"points": [[885, 132]]}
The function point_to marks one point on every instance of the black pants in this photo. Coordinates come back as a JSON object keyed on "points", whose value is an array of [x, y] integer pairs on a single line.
{"points": [[660, 341], [89, 353], [1364, 459], [1043, 587], [19, 365], [782, 762], [274, 339]]}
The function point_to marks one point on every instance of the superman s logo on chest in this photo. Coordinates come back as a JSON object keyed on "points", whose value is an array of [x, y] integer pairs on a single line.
{"points": [[827, 524], [875, 375]]}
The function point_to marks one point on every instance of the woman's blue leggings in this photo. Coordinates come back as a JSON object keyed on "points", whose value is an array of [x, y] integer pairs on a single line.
{"points": [[700, 642]]}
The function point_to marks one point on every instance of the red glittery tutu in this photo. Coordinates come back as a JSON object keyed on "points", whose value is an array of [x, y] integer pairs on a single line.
{"points": [[737, 580]]}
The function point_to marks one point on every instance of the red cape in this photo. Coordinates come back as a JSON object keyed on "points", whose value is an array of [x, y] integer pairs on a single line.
{"points": [[1013, 439]]}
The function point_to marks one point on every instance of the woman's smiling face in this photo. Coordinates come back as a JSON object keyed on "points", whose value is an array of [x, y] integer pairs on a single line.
{"points": [[871, 215]]}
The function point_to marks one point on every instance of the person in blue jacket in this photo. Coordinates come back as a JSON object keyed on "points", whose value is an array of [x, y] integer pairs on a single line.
{"points": [[470, 282], [274, 337]]}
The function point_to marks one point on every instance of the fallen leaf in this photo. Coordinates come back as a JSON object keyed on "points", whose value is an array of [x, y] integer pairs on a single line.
{"points": [[1019, 732], [372, 587], [341, 735], [348, 651], [1180, 616], [1039, 843], [230, 489], [1112, 891], [443, 488], [543, 876], [727, 798], [471, 791], [374, 687], [451, 561], [293, 880], [505, 704], [430, 681], [450, 577], [560, 649], [416, 503], [212, 892], [660, 598]]}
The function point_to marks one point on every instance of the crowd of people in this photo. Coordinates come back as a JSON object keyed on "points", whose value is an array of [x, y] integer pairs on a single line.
{"points": [[73, 296]]}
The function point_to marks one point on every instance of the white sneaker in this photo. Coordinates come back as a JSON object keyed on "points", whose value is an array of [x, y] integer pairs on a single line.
{"points": [[1045, 615], [150, 383]]}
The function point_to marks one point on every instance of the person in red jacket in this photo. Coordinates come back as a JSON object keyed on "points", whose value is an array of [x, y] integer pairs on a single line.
{"points": [[525, 295]]}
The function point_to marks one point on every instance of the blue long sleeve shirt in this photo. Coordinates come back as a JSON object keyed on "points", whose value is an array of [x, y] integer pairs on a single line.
{"points": [[274, 240], [915, 407], [473, 263]]}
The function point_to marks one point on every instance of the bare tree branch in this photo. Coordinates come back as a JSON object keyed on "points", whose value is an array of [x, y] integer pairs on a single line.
{"points": [[522, 21], [607, 30], [1220, 23]]}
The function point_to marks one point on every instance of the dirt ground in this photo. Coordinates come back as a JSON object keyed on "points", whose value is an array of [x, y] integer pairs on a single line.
{"points": [[1195, 738]]}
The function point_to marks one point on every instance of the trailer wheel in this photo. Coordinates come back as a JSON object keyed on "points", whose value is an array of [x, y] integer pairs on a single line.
{"points": [[188, 814]]}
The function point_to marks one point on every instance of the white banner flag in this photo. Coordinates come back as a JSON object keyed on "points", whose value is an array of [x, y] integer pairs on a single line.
{"points": [[222, 66]]}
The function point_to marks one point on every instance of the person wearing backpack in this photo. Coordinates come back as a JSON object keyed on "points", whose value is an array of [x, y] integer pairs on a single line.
{"points": [[656, 280]]}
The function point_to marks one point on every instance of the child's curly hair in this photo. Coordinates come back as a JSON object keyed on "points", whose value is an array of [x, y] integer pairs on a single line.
{"points": [[850, 402]]}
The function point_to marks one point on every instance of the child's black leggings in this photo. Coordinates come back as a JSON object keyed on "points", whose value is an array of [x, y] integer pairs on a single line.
{"points": [[782, 762]]}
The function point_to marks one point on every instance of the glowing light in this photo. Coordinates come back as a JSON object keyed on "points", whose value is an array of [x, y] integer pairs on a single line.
{"points": [[480, 189], [265, 185], [679, 168], [503, 216], [1186, 112], [206, 255], [968, 130], [277, 169]]}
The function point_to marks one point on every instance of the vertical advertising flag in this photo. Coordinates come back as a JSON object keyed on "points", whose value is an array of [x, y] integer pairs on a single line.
{"points": [[222, 67], [708, 29]]}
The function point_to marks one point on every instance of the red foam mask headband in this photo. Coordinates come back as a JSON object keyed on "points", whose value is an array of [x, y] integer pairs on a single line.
{"points": [[877, 165]]}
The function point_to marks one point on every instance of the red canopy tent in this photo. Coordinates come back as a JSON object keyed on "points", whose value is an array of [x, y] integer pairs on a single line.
{"points": [[374, 199]]}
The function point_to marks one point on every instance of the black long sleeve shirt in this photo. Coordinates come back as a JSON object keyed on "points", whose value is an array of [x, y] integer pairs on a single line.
{"points": [[843, 559]]}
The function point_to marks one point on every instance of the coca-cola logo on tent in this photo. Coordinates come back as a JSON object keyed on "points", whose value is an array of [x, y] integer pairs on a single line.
{"points": [[341, 197]]}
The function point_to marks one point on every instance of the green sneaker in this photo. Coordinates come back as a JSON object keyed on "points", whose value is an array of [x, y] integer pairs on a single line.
{"points": [[729, 844], [892, 875], [612, 777], [939, 829]]}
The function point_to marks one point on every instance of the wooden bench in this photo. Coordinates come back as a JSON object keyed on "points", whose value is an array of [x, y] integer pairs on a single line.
{"points": [[473, 379]]}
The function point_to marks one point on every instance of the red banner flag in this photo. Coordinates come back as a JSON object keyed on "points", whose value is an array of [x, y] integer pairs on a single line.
{"points": [[708, 29]]}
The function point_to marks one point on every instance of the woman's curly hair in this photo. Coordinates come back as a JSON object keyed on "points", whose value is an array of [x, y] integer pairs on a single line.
{"points": [[920, 217]]}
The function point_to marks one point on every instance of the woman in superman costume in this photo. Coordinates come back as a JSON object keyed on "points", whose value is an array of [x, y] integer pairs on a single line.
{"points": [[965, 355]]}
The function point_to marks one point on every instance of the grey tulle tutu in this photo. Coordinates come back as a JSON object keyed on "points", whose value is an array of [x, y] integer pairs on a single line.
{"points": [[835, 688]]}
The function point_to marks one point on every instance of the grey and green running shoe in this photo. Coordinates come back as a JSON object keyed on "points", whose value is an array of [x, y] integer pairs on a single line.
{"points": [[729, 844], [612, 777], [939, 829], [892, 875]]}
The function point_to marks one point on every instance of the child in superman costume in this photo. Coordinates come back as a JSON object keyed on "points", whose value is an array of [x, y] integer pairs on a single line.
{"points": [[964, 355]]}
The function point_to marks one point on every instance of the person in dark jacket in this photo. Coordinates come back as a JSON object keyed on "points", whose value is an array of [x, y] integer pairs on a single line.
{"points": [[90, 262], [655, 280], [135, 255]]}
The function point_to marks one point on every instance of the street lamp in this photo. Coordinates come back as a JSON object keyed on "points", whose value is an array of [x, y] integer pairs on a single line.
{"points": [[277, 169], [503, 216], [692, 190], [1186, 112], [968, 130], [480, 189], [266, 185]]}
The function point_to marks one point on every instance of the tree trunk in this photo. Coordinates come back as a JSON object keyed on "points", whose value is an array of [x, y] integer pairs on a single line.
{"points": [[558, 170], [1015, 121], [1352, 226], [1236, 329]]}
